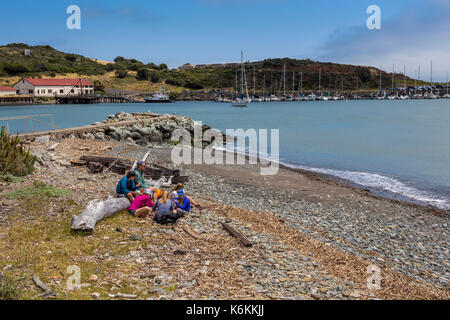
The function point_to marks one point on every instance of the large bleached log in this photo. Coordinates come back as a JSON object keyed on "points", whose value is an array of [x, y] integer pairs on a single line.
{"points": [[96, 211]]}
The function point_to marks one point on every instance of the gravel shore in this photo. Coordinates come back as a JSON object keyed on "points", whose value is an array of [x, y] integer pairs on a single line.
{"points": [[313, 238]]}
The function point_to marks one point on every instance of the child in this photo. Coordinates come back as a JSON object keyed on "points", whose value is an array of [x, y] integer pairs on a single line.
{"points": [[183, 202], [126, 187], [165, 210], [142, 205], [180, 186]]}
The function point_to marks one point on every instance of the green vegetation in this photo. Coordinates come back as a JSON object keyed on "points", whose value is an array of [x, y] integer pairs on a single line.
{"points": [[14, 159], [44, 60], [10, 287], [9, 178], [39, 190], [131, 74]]}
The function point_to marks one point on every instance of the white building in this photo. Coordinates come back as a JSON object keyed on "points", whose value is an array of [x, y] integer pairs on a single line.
{"points": [[54, 87], [7, 91]]}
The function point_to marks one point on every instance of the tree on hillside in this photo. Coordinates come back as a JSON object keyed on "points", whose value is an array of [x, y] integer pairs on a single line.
{"points": [[142, 74], [122, 73]]}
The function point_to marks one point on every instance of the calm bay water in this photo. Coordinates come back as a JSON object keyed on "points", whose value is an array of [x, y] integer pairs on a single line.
{"points": [[396, 146]]}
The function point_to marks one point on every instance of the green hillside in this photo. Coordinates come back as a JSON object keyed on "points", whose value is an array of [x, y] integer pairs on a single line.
{"points": [[44, 60], [131, 74]]}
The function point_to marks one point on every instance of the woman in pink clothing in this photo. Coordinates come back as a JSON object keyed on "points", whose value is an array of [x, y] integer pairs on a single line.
{"points": [[142, 205]]}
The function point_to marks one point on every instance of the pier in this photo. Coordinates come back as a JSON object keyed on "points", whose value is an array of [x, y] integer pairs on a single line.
{"points": [[19, 100], [83, 99]]}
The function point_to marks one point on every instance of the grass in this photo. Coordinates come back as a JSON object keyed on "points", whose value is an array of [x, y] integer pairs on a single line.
{"points": [[38, 191], [35, 244], [10, 287], [9, 178]]}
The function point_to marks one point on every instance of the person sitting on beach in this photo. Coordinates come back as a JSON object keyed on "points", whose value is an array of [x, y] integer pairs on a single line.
{"points": [[157, 194], [140, 179], [183, 201], [127, 187], [166, 211], [179, 187], [142, 205]]}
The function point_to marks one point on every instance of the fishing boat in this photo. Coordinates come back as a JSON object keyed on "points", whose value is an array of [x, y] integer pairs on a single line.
{"points": [[159, 97], [242, 101]]}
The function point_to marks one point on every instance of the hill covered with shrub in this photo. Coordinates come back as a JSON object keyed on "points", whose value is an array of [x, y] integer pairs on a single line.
{"points": [[20, 60]]}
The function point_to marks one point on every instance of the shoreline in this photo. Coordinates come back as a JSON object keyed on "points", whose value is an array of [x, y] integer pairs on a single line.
{"points": [[313, 238], [373, 192], [85, 131], [52, 102]]}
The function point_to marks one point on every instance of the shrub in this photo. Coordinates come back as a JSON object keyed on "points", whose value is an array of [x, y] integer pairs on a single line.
{"points": [[15, 69], [14, 159], [142, 74], [154, 77], [39, 190], [110, 67], [119, 59], [98, 86], [121, 73]]}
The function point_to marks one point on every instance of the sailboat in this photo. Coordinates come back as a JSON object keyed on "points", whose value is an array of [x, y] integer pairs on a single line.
{"points": [[447, 96], [241, 101]]}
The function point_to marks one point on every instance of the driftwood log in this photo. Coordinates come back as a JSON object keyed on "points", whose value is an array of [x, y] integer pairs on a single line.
{"points": [[245, 242], [121, 166], [96, 211]]}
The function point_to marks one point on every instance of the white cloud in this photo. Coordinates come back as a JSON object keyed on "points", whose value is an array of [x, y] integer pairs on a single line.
{"points": [[415, 37]]}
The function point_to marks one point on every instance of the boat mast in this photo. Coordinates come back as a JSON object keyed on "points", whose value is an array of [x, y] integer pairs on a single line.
{"points": [[301, 80], [284, 79], [320, 78], [415, 82], [431, 76], [254, 81], [236, 91], [380, 80], [246, 82], [293, 83], [242, 72], [393, 74], [447, 84], [404, 74], [264, 86]]}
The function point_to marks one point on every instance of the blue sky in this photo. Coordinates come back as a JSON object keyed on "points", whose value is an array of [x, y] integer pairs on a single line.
{"points": [[414, 32]]}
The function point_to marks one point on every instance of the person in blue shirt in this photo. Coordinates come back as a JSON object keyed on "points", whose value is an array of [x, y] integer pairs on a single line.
{"points": [[127, 187], [183, 202]]}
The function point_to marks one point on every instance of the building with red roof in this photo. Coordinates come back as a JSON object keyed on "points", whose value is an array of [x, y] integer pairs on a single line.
{"points": [[54, 87], [7, 91]]}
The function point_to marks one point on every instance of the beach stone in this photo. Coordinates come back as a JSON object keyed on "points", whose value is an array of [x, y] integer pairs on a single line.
{"points": [[93, 278], [136, 237]]}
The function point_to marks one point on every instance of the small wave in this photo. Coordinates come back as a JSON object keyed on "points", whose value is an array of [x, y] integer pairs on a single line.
{"points": [[379, 182]]}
